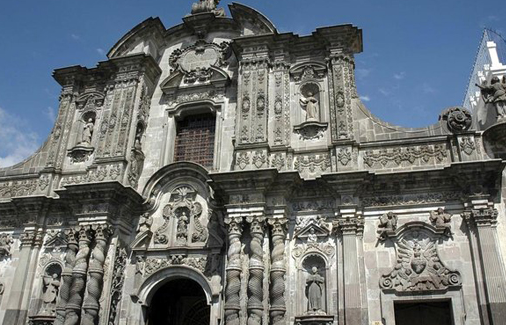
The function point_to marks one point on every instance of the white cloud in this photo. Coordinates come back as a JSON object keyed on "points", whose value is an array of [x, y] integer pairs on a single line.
{"points": [[400, 75], [50, 114], [362, 73], [75, 37], [426, 88], [100, 51], [18, 142], [365, 98], [384, 92]]}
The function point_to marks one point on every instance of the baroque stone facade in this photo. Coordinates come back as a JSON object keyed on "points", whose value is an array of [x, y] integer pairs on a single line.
{"points": [[296, 207]]}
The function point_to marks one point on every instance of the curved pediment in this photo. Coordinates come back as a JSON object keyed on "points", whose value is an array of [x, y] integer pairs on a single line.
{"points": [[251, 21], [176, 173]]}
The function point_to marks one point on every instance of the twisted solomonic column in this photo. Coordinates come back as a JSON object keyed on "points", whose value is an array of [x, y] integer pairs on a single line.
{"points": [[256, 270], [278, 271], [73, 307], [95, 284], [70, 261], [232, 299]]}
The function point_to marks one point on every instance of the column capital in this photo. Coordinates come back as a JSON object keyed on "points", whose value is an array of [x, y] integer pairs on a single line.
{"points": [[484, 217], [349, 225]]}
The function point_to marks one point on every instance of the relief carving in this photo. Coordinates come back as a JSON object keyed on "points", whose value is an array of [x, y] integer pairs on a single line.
{"points": [[467, 145], [409, 155], [418, 267], [458, 119]]}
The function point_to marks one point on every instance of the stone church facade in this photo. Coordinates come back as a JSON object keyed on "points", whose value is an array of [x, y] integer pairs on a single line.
{"points": [[221, 172]]}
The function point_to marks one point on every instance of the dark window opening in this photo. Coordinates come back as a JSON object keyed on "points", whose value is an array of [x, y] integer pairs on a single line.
{"points": [[195, 139], [423, 313]]}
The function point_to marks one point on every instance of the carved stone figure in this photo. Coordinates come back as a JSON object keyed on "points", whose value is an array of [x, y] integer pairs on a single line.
{"points": [[5, 246], [182, 228], [207, 6], [315, 286], [440, 218], [495, 93], [388, 222], [88, 131], [51, 287], [310, 104], [312, 237], [145, 222]]}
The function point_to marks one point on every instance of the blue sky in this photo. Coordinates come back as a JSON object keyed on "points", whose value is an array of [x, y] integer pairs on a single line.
{"points": [[416, 61]]}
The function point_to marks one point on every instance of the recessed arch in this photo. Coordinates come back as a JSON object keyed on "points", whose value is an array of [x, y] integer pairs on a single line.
{"points": [[154, 282]]}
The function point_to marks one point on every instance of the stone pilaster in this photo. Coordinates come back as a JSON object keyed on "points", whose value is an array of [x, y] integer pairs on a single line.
{"points": [[278, 271], [17, 304], [95, 283], [482, 219], [233, 286], [70, 261], [73, 307], [351, 228]]}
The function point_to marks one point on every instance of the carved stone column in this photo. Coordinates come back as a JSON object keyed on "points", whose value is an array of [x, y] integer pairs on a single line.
{"points": [[278, 271], [73, 307], [70, 261], [351, 228], [233, 288], [94, 287], [256, 268], [484, 220]]}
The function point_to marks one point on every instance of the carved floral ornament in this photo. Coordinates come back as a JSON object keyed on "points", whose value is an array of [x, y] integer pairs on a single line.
{"points": [[196, 61], [458, 119], [418, 266]]}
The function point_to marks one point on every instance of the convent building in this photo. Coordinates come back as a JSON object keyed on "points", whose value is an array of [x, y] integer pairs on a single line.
{"points": [[219, 172]]}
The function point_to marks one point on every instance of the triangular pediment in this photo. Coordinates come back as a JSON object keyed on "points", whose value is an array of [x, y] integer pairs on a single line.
{"points": [[312, 230]]}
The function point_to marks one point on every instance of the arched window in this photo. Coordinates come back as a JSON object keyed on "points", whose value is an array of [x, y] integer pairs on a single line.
{"points": [[195, 139]]}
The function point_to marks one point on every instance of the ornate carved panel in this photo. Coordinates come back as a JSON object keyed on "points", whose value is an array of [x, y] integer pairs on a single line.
{"points": [[419, 267]]}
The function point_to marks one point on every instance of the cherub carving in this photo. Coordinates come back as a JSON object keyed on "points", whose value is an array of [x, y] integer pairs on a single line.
{"points": [[145, 222], [388, 222], [440, 218]]}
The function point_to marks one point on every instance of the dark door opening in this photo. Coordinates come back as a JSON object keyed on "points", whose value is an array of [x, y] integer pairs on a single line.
{"points": [[423, 313], [179, 302]]}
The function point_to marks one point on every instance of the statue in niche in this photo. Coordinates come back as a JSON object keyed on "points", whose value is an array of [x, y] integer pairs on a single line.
{"points": [[51, 288], [182, 228], [138, 136], [495, 93], [315, 285], [310, 104], [388, 222], [441, 219], [88, 131]]}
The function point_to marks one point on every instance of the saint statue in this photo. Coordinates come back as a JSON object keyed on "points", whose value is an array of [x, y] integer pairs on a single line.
{"points": [[312, 237], [310, 103], [52, 284], [182, 227], [495, 93], [315, 285], [88, 131]]}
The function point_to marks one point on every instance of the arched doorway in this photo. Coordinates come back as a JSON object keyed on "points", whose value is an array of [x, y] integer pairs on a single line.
{"points": [[179, 302]]}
